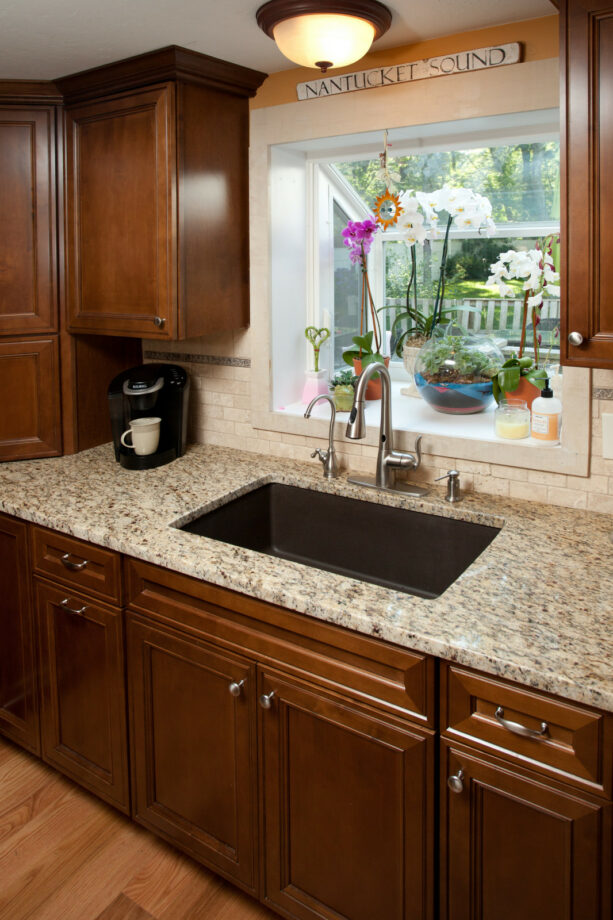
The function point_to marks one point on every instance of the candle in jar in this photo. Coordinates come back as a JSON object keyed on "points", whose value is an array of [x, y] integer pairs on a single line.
{"points": [[512, 420]]}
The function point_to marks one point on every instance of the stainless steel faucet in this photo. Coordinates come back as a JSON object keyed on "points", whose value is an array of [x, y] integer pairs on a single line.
{"points": [[327, 457], [389, 461]]}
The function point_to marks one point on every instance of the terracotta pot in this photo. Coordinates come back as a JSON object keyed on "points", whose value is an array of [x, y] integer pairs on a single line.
{"points": [[373, 387], [526, 391]]}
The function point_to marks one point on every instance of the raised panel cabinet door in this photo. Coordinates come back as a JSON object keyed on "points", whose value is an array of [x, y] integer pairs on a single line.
{"points": [[30, 423], [18, 684], [28, 288], [193, 747], [348, 808], [121, 214], [586, 59], [514, 846], [83, 698]]}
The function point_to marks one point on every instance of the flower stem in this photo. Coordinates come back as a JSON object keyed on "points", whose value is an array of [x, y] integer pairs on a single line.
{"points": [[522, 343], [440, 291]]}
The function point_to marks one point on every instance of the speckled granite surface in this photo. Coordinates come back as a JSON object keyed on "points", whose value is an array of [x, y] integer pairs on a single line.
{"points": [[536, 606]]}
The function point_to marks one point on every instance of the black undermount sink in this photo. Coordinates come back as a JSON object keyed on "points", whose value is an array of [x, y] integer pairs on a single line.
{"points": [[409, 551]]}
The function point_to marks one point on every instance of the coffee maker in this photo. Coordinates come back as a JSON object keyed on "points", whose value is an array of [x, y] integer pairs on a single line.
{"points": [[159, 390]]}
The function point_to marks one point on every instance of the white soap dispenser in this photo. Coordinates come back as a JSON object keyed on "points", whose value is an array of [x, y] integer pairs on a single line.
{"points": [[546, 417]]}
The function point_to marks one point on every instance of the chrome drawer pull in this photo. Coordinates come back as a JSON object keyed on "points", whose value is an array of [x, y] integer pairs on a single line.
{"points": [[236, 687], [519, 729], [266, 700], [73, 566], [64, 605]]}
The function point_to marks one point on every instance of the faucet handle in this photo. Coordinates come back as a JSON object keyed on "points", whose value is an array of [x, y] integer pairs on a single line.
{"points": [[417, 451], [321, 453]]}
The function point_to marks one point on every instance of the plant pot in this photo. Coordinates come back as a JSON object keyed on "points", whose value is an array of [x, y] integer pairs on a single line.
{"points": [[526, 391], [316, 384], [343, 398], [373, 387]]}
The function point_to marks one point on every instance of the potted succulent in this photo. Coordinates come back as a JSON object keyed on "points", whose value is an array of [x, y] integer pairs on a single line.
{"points": [[454, 371], [343, 389]]}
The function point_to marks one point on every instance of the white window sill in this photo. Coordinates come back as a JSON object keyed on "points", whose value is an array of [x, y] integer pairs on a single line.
{"points": [[467, 437]]}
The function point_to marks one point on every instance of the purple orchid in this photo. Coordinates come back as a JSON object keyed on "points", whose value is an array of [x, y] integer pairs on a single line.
{"points": [[358, 236]]}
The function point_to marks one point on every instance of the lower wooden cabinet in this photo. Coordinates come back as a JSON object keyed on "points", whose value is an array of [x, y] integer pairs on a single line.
{"points": [[193, 747], [83, 699], [347, 807], [30, 423], [18, 671], [515, 845]]}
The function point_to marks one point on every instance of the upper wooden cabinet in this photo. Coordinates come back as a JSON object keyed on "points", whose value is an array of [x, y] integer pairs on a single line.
{"points": [[28, 286], [586, 61], [157, 196]]}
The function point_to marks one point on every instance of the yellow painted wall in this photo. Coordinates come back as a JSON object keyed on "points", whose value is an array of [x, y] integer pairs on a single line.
{"points": [[539, 38]]}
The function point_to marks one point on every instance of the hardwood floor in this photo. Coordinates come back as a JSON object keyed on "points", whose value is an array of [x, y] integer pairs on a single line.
{"points": [[64, 855]]}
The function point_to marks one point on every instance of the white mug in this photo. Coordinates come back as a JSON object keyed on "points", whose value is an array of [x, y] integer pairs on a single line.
{"points": [[145, 435]]}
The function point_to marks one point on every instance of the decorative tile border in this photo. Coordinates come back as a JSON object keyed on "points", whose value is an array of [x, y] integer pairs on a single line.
{"points": [[602, 393], [196, 359]]}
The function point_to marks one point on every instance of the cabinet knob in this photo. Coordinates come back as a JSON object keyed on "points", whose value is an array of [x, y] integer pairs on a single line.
{"points": [[158, 321], [575, 338], [236, 688], [456, 783], [266, 700]]}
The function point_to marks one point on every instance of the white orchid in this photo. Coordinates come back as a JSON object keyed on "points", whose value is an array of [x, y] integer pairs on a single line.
{"points": [[412, 220]]}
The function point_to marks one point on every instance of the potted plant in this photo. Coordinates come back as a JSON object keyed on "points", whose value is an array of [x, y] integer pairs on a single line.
{"points": [[455, 370], [522, 375], [315, 383], [360, 356], [343, 389]]}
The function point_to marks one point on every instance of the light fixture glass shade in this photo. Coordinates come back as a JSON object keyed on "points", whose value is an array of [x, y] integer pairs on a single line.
{"points": [[324, 40]]}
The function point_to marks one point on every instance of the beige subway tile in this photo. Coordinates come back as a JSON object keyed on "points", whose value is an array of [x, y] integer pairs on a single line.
{"points": [[596, 408], [601, 466], [596, 428], [492, 485], [241, 373], [237, 415], [593, 483], [241, 402], [528, 490], [212, 397], [596, 447], [547, 479], [244, 430], [569, 498], [298, 440], [509, 472], [598, 502], [602, 378], [471, 466], [610, 488], [219, 424]]}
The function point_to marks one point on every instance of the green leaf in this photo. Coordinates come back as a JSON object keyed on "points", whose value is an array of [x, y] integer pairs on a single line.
{"points": [[364, 341], [350, 354], [508, 378]]}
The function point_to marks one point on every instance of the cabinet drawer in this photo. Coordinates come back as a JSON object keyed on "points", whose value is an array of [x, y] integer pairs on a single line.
{"points": [[557, 736], [77, 564], [371, 670]]}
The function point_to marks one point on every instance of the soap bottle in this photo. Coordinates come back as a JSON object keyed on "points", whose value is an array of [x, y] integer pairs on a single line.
{"points": [[546, 417]]}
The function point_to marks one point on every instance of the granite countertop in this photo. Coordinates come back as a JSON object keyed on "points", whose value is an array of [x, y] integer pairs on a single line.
{"points": [[536, 606]]}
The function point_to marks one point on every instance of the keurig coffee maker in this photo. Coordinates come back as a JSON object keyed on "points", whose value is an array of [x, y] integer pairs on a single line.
{"points": [[153, 392]]}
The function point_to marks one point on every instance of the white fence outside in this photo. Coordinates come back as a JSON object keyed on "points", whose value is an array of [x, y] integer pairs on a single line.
{"points": [[496, 316]]}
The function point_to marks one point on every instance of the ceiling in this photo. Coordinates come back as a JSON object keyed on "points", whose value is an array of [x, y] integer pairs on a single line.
{"points": [[45, 39]]}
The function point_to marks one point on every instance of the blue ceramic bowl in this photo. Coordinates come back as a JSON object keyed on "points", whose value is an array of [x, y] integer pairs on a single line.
{"points": [[456, 398]]}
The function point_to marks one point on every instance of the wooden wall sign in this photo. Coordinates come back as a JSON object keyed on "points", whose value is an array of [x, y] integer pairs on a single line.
{"points": [[446, 65]]}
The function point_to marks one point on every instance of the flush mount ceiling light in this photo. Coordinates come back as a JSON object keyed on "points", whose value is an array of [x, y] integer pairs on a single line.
{"points": [[318, 33]]}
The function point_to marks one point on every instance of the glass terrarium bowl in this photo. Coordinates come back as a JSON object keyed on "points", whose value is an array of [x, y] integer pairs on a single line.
{"points": [[454, 370]]}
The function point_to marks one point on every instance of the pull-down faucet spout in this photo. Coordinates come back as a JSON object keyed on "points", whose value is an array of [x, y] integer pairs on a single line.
{"points": [[389, 461]]}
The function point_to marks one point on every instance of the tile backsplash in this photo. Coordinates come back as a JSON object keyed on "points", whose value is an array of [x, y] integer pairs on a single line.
{"points": [[220, 413]]}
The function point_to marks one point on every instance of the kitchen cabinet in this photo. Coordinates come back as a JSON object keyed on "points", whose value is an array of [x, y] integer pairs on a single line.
{"points": [[18, 671], [525, 803], [194, 748], [83, 696], [347, 806], [53, 385], [346, 780], [586, 63], [157, 196]]}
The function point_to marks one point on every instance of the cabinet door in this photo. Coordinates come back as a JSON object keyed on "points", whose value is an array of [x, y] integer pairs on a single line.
{"points": [[514, 846], [28, 287], [30, 387], [586, 59], [347, 808], [193, 747], [83, 719], [18, 694], [121, 214]]}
